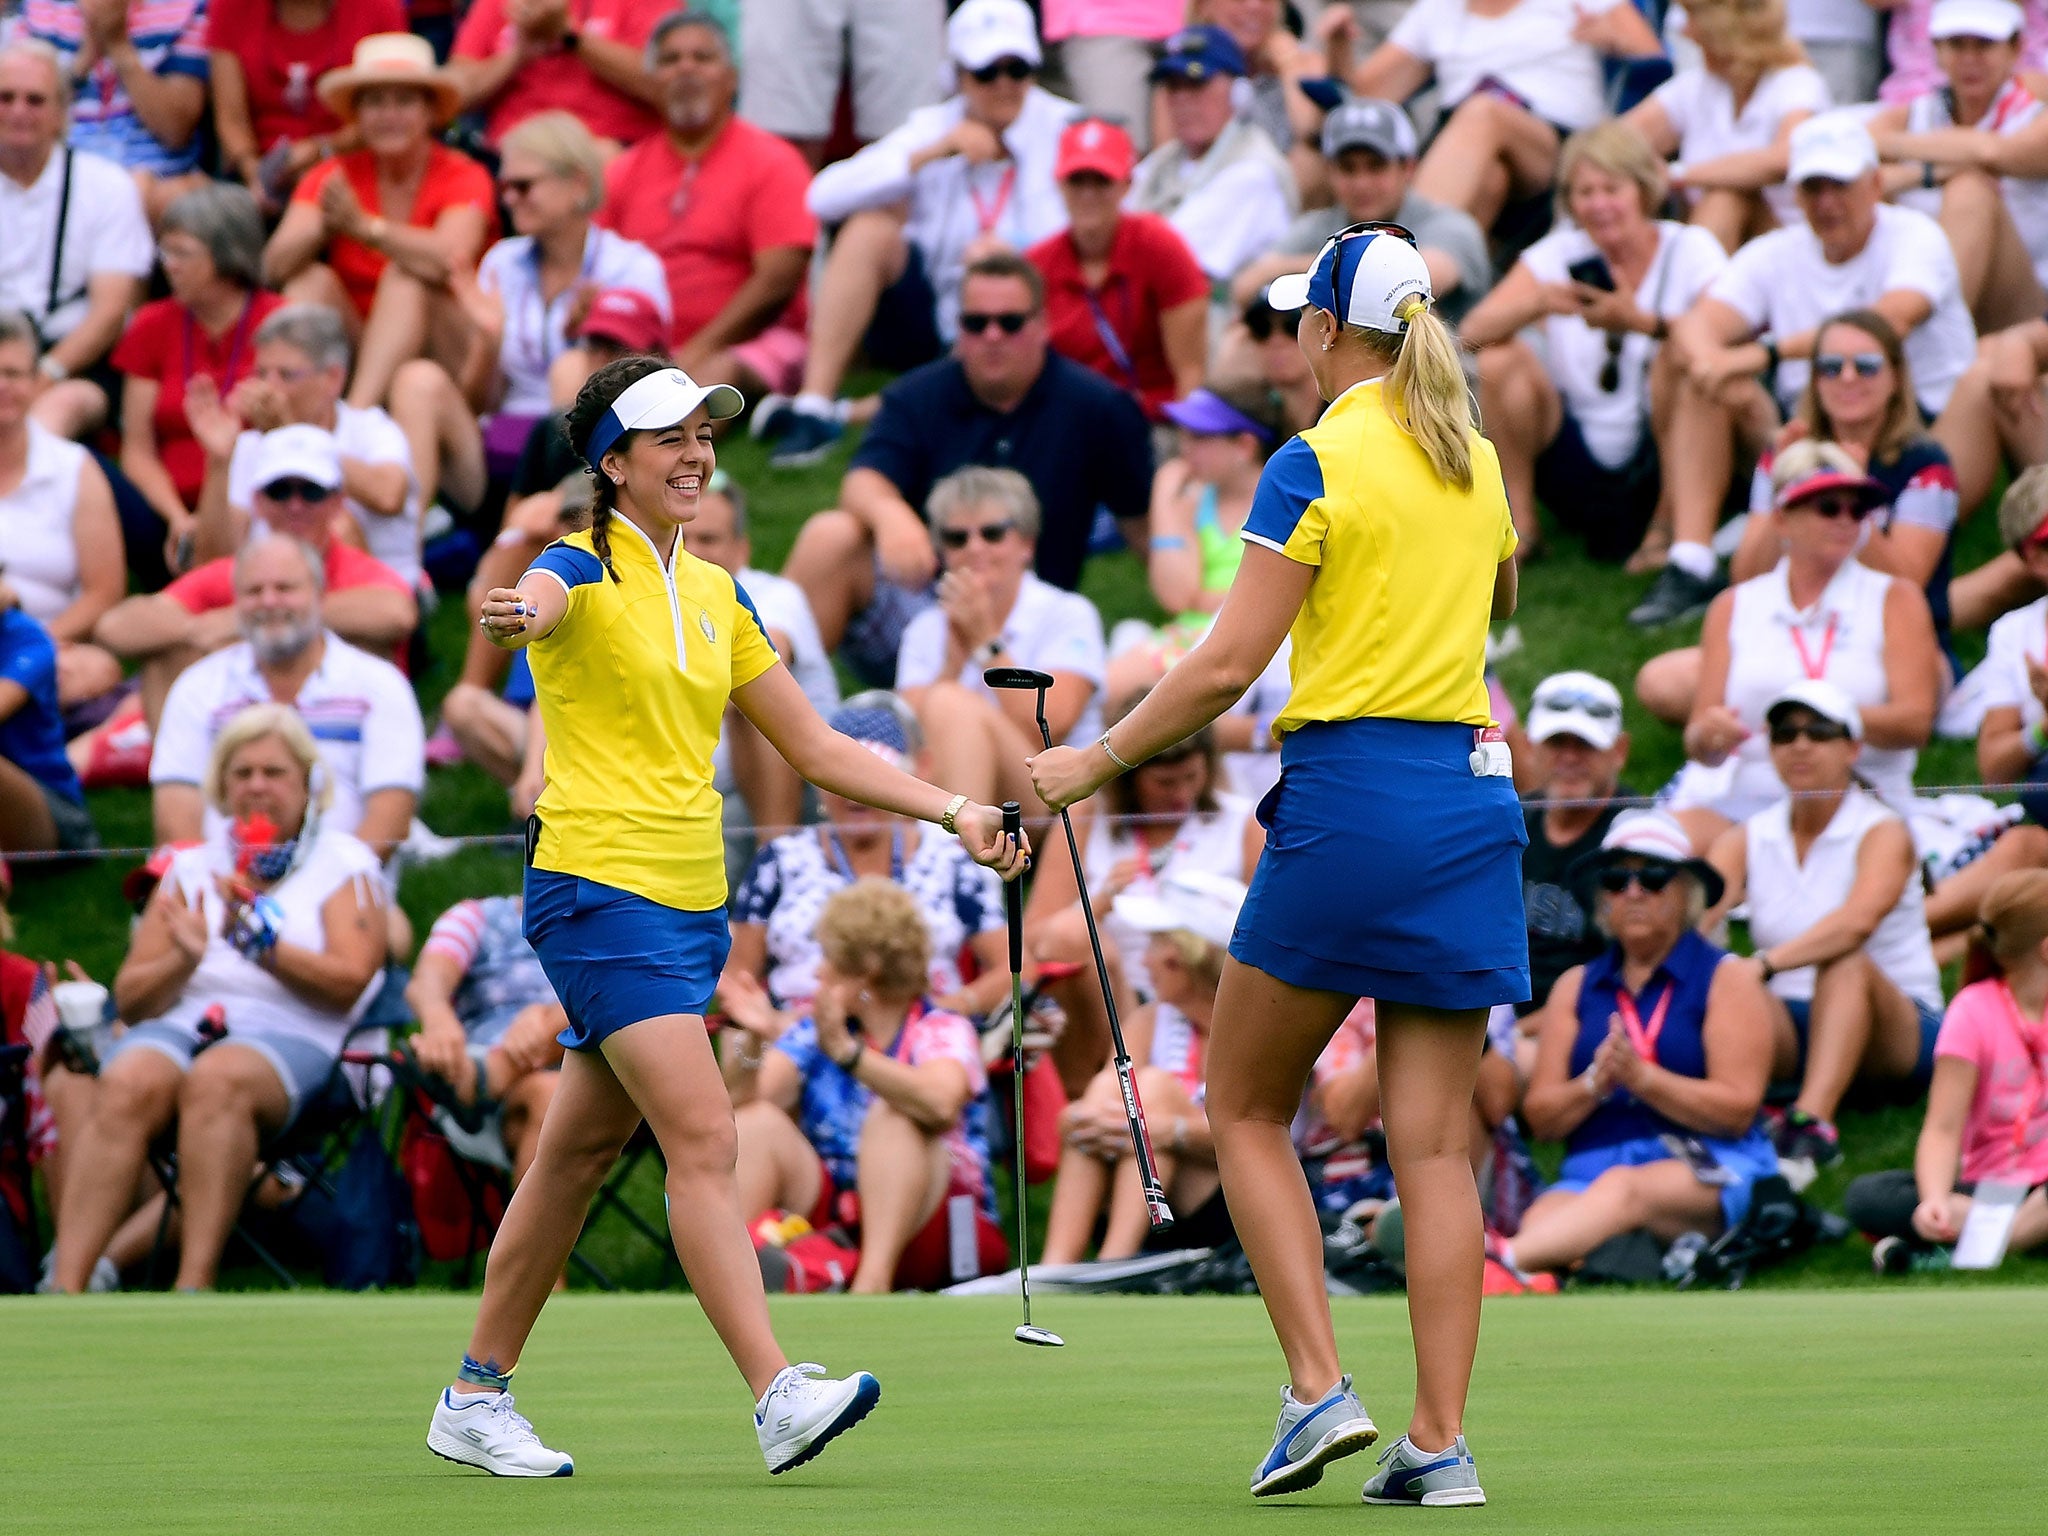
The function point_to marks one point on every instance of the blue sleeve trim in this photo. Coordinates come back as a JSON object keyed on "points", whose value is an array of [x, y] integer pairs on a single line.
{"points": [[747, 602], [1293, 479], [571, 566]]}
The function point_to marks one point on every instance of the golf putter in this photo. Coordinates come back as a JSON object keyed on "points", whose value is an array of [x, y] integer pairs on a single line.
{"points": [[1013, 912], [1156, 1208]]}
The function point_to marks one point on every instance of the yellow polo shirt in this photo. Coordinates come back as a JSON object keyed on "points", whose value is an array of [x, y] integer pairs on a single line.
{"points": [[632, 687], [1394, 626]]}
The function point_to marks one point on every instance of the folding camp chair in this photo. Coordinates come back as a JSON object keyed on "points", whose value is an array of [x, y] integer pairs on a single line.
{"points": [[611, 1200]]}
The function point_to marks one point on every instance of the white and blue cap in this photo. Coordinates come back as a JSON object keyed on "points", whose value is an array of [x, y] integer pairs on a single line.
{"points": [[1362, 275], [659, 400]]}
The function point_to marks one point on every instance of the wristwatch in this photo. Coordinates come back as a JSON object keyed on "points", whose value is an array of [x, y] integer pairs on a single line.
{"points": [[991, 650], [1763, 964]]}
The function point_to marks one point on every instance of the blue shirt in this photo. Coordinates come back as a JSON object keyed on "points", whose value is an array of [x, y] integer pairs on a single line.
{"points": [[1681, 1047], [1080, 441], [32, 738]]}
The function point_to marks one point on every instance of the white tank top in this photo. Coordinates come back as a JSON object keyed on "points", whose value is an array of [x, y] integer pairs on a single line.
{"points": [[2012, 109], [1787, 897], [1213, 844], [1177, 1048], [37, 543]]}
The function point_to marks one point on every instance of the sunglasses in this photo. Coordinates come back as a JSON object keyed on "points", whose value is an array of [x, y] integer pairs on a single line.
{"points": [[297, 490], [1651, 877], [1835, 504], [1785, 733], [1610, 370], [26, 98], [1263, 322], [991, 533], [1572, 702], [1367, 227], [1002, 69], [1832, 365], [1010, 322]]}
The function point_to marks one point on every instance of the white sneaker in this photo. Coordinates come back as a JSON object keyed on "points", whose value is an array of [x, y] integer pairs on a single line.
{"points": [[1309, 1437], [482, 1429], [798, 1417]]}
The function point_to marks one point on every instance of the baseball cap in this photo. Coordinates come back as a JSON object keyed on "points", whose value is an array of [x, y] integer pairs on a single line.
{"points": [[1199, 53], [1206, 412], [1822, 698], [1577, 704], [1193, 900], [298, 452], [1658, 837], [983, 31], [628, 317], [1831, 146], [1998, 20], [1363, 123], [1098, 146], [659, 400], [875, 727], [1361, 275], [1826, 478]]}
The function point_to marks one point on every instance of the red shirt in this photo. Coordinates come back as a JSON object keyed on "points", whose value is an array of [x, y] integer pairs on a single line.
{"points": [[561, 81], [283, 67], [1151, 270], [166, 346], [452, 181], [210, 587], [707, 219]]}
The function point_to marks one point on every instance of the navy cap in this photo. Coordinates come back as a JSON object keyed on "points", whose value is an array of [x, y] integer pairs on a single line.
{"points": [[1198, 54]]}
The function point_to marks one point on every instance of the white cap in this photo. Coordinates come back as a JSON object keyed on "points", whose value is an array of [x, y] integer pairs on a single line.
{"points": [[1831, 146], [1824, 699], [1360, 276], [1650, 834], [659, 400], [298, 452], [1998, 20], [1576, 704], [983, 31], [1203, 904]]}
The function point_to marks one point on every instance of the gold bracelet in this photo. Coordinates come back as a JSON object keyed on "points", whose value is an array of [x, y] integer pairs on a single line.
{"points": [[953, 808]]}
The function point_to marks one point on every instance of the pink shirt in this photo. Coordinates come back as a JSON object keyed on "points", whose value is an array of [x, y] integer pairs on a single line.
{"points": [[1983, 1027], [1150, 19]]}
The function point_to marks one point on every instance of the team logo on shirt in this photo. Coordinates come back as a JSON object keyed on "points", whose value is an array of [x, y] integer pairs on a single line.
{"points": [[704, 623]]}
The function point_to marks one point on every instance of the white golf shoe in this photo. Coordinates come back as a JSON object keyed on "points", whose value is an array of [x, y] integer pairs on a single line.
{"points": [[482, 1429], [798, 1417]]}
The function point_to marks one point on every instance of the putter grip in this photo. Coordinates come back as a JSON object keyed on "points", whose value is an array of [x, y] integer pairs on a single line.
{"points": [[1013, 890]]}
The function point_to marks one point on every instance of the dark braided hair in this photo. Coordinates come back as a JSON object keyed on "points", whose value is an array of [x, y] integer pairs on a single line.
{"points": [[592, 401]]}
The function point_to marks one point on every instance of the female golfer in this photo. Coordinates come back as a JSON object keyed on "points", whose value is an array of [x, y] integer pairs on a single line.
{"points": [[637, 646], [1392, 867]]}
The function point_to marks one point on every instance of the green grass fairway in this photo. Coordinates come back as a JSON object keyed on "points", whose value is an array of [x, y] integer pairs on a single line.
{"points": [[1912, 1409]]}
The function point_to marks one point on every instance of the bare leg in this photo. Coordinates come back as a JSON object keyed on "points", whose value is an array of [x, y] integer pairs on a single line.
{"points": [[1522, 412], [1704, 432], [26, 825], [1996, 587], [1731, 217], [85, 671], [447, 445], [1079, 1191], [136, 1099], [395, 333], [1968, 429], [1997, 274], [975, 747], [231, 1098], [1489, 151], [776, 1169], [1129, 1220], [318, 285], [1561, 1228], [75, 409], [868, 254], [1083, 1048], [1666, 684], [834, 562], [492, 732], [903, 1171], [1953, 905], [526, 1106], [1860, 1026]]}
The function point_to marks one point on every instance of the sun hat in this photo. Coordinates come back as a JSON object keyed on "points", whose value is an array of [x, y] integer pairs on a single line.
{"points": [[1362, 275], [1657, 837], [390, 58], [1822, 698], [659, 400], [1192, 900]]}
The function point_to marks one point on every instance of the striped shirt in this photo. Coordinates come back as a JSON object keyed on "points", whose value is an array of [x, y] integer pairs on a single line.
{"points": [[170, 36], [501, 975]]}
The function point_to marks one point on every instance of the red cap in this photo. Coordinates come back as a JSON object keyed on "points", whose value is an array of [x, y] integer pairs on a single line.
{"points": [[141, 882], [1098, 146], [1868, 491], [628, 317]]}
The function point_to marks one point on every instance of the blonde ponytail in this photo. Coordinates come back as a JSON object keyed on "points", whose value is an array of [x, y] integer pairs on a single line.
{"points": [[1427, 396]]}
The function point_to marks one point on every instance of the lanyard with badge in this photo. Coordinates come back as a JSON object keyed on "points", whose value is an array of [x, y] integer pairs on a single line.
{"points": [[241, 337], [1643, 1037], [1815, 667], [989, 214]]}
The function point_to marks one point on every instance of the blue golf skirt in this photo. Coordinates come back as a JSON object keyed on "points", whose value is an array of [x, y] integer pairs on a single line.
{"points": [[615, 958], [1390, 870]]}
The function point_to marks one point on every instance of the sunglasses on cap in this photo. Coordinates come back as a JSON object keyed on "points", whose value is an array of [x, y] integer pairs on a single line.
{"points": [[1003, 69], [1652, 878], [991, 533], [1575, 701], [1865, 365], [1785, 732], [1010, 321], [296, 490]]}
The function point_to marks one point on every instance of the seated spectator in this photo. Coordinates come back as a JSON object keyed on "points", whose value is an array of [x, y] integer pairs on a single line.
{"points": [[993, 612], [1276, 62], [1838, 924], [276, 922], [1585, 429], [1187, 920], [1852, 252], [384, 274], [488, 1020], [1984, 1109], [1579, 750], [1280, 365], [775, 948], [957, 182], [61, 551], [1123, 293], [211, 245], [514, 61], [42, 805], [1106, 49], [1819, 614], [736, 263], [890, 52], [1843, 46], [1909, 48], [2014, 676], [1171, 815], [263, 57], [299, 476], [1728, 124], [1370, 146], [1002, 399], [360, 709], [1973, 152], [1995, 420], [1652, 1064], [892, 1114], [1199, 503], [1516, 79], [79, 243], [1216, 177]]}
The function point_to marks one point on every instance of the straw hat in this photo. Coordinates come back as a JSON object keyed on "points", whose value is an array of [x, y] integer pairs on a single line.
{"points": [[390, 58]]}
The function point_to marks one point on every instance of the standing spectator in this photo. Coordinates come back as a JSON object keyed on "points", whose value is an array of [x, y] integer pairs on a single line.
{"points": [[721, 202], [958, 181], [1586, 429], [1106, 48], [1123, 293], [42, 805], [1219, 178], [78, 245], [1841, 37], [138, 74], [797, 50], [360, 709], [265, 56], [513, 60], [1001, 400]]}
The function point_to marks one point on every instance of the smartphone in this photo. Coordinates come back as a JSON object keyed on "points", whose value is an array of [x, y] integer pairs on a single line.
{"points": [[1594, 272], [1693, 1152]]}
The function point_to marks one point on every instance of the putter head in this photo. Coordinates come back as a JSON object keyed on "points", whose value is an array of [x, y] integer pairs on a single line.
{"points": [[1017, 677], [1040, 1336]]}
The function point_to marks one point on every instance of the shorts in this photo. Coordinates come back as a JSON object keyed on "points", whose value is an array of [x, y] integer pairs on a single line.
{"points": [[875, 634], [305, 1069], [1801, 1010], [904, 333], [776, 356], [1609, 508], [795, 51], [615, 958], [1747, 1158], [75, 831], [960, 1242]]}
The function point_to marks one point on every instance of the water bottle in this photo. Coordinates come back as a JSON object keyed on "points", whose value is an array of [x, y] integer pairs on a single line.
{"points": [[1683, 1254]]}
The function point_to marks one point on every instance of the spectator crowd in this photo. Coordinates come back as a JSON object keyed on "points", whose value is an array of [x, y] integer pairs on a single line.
{"points": [[294, 295]]}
